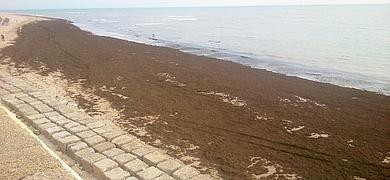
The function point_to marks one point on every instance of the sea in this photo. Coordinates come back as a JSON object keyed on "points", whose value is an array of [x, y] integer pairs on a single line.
{"points": [[345, 45]]}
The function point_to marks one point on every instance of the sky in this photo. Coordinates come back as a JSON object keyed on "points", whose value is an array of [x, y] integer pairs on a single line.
{"points": [[67, 4]]}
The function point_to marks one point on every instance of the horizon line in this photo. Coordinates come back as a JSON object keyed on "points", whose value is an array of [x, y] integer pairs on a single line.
{"points": [[156, 7]]}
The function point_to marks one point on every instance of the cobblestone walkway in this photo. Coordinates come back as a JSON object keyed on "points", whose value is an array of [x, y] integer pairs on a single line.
{"points": [[22, 156], [101, 148]]}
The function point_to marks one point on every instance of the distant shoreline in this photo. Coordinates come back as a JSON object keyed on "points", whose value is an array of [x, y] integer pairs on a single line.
{"points": [[298, 66]]}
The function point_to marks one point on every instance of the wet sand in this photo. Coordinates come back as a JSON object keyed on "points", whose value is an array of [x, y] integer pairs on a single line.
{"points": [[247, 123]]}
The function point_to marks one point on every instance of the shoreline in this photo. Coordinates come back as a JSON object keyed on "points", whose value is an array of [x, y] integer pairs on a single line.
{"points": [[355, 80], [172, 93]]}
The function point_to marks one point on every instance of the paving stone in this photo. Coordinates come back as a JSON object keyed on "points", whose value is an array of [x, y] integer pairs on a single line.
{"points": [[141, 151], [43, 108], [89, 159], [70, 125], [104, 147], [63, 122], [102, 130], [164, 177], [36, 102], [123, 139], [52, 130], [135, 166], [86, 121], [109, 136], [113, 152], [81, 153], [116, 174], [91, 141], [44, 126], [78, 129], [95, 125], [86, 134], [40, 121], [202, 177], [155, 157], [27, 98], [35, 116], [56, 118], [185, 172], [170, 166], [133, 144], [27, 111], [102, 166], [64, 109], [131, 178], [124, 158], [73, 148], [149, 173], [51, 114], [77, 116], [60, 135], [64, 142]]}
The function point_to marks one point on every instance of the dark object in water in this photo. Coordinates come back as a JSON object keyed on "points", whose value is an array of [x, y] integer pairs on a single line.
{"points": [[2, 38]]}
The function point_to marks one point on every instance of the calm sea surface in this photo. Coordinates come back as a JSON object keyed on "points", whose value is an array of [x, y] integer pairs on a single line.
{"points": [[346, 45]]}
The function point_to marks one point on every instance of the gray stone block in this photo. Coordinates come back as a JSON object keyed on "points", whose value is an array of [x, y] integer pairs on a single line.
{"points": [[202, 177], [155, 157], [44, 126], [131, 178], [56, 118], [116, 174], [78, 129], [70, 125], [86, 134], [149, 173], [51, 114], [124, 158], [95, 125], [64, 142], [36, 122], [170, 166], [123, 139], [34, 117], [141, 152], [60, 135], [104, 147], [94, 140], [185, 172], [43, 108], [102, 166], [109, 136], [89, 159], [50, 131], [102, 130], [164, 177], [81, 153], [86, 120], [135, 166], [113, 152], [75, 147], [63, 122], [133, 144]]}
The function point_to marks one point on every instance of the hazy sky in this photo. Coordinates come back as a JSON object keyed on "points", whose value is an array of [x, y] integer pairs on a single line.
{"points": [[58, 4]]}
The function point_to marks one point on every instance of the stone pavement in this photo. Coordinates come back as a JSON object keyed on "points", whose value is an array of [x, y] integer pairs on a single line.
{"points": [[99, 147], [23, 157]]}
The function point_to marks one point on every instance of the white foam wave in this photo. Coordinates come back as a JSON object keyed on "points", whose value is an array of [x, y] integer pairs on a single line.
{"points": [[149, 24]]}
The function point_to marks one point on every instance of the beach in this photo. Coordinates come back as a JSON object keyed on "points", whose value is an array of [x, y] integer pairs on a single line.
{"points": [[223, 117]]}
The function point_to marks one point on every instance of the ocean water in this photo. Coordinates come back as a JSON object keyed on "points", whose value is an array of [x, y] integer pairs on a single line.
{"points": [[345, 45]]}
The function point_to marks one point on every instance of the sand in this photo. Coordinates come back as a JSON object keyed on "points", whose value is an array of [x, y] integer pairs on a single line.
{"points": [[245, 123], [10, 30]]}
